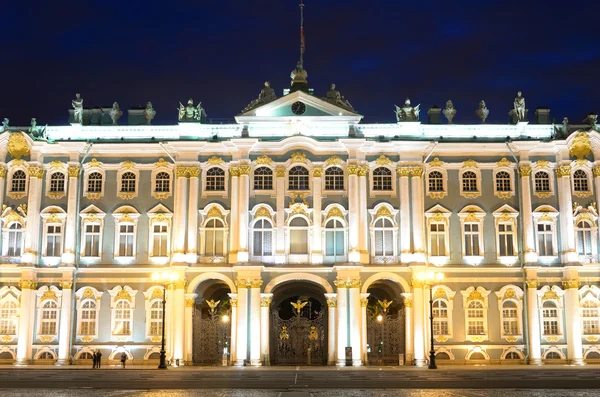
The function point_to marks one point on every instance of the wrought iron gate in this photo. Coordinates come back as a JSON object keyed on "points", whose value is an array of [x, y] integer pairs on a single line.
{"points": [[211, 339], [385, 338], [299, 340]]}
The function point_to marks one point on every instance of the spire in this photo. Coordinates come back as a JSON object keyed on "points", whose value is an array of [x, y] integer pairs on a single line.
{"points": [[302, 42]]}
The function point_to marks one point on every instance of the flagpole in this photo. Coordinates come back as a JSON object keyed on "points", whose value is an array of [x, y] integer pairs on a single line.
{"points": [[301, 32]]}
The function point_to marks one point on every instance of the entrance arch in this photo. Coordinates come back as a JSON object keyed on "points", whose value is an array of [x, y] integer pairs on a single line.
{"points": [[298, 326]]}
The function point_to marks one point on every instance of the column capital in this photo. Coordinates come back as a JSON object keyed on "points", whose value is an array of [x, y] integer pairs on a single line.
{"points": [[563, 170], [280, 172], [234, 170], [190, 302], [317, 172], [66, 284], [571, 284], [363, 170], [244, 169], [36, 172], [353, 169], [181, 171], [349, 283], [266, 301], [2, 172], [416, 171], [525, 170], [403, 171], [416, 283], [595, 171], [73, 171], [256, 283], [193, 171], [28, 284], [532, 283]]}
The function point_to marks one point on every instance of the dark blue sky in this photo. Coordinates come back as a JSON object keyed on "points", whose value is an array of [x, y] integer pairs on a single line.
{"points": [[377, 52]]}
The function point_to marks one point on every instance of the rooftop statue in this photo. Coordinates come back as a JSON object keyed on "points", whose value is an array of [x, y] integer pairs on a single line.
{"points": [[266, 95], [35, 131], [191, 112], [449, 111], [115, 113], [5, 124], [149, 113], [77, 104], [519, 107], [591, 119], [334, 97], [299, 75], [482, 112], [407, 112]]}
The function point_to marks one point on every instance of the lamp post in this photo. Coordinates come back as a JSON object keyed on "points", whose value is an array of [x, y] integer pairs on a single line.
{"points": [[166, 278], [430, 278]]}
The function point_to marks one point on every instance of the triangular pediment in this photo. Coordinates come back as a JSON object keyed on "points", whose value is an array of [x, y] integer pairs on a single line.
{"points": [[438, 208], [282, 108], [92, 209], [159, 209]]}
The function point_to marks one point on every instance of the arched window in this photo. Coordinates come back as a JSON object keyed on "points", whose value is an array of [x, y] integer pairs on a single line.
{"points": [[550, 318], [510, 318], [8, 318], [87, 323], [298, 236], [503, 182], [542, 182], [19, 180], [382, 179], [214, 236], [469, 181], [298, 178], [440, 317], [215, 179], [335, 249], [15, 239], [162, 182], [128, 182], [122, 318], [48, 318], [46, 356], [94, 184], [57, 182], [262, 238], [85, 356], [334, 178], [475, 318], [384, 237], [552, 356], [590, 317], [436, 181], [156, 318], [512, 356], [584, 238], [580, 181], [263, 178]]}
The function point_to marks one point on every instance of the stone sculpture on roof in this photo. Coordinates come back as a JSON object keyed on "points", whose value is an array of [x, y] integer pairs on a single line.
{"points": [[449, 111], [299, 75], [407, 112], [267, 94], [482, 112], [77, 104], [591, 119], [191, 112], [334, 97], [519, 108], [149, 113], [5, 123], [115, 113]]}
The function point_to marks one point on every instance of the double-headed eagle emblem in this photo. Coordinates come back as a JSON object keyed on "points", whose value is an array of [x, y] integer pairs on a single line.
{"points": [[299, 305]]}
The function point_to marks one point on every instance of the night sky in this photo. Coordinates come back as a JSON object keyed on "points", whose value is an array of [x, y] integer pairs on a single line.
{"points": [[377, 52]]}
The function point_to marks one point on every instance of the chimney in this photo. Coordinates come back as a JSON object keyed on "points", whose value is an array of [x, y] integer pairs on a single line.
{"points": [[542, 115], [435, 115]]}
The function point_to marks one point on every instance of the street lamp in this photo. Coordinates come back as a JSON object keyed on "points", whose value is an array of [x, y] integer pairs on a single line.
{"points": [[165, 278], [430, 278]]}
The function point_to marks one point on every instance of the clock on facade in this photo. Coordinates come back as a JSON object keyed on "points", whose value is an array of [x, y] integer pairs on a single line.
{"points": [[298, 107]]}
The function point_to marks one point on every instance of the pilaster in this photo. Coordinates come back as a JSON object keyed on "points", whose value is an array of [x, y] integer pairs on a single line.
{"points": [[363, 221], [179, 215], [331, 328], [408, 328], [234, 173], [179, 321], [244, 202], [265, 304], [241, 354], [255, 322], [68, 256], [533, 317], [364, 301], [28, 286], [66, 321], [565, 203], [418, 317], [316, 245], [342, 323], [34, 200], [190, 303], [405, 246], [418, 214], [192, 221], [234, 317], [353, 213], [280, 257], [528, 237], [573, 316]]}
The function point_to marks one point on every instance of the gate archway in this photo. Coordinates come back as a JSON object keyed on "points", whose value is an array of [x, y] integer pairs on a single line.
{"points": [[385, 323], [298, 334], [212, 324]]}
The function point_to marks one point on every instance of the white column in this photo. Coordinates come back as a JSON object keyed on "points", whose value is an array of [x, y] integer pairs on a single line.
{"points": [[528, 236], [179, 329], [418, 214], [316, 246], [179, 215], [331, 328], [32, 231], [241, 354], [408, 327], [234, 230], [265, 303], [66, 321], [405, 247], [353, 214], [573, 317], [595, 171], [244, 203], [255, 321], [363, 222], [68, 256], [233, 340], [565, 204], [364, 301], [419, 323], [280, 216], [190, 303], [355, 321], [533, 319], [342, 322], [192, 221], [27, 309]]}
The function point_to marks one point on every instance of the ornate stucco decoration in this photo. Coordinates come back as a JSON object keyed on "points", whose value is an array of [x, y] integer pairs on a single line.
{"points": [[264, 160], [333, 160], [190, 302], [298, 157], [331, 303], [28, 284], [128, 164], [383, 160], [551, 338], [214, 212], [596, 171], [181, 171], [470, 164], [127, 195], [504, 195], [475, 296], [161, 163], [265, 302], [160, 217], [416, 171], [581, 147], [353, 169], [563, 170], [2, 172], [94, 163], [244, 169], [280, 172], [317, 172], [66, 284], [524, 170], [334, 212], [437, 195], [543, 195], [383, 211], [403, 171], [363, 170], [123, 294], [73, 171], [441, 338], [440, 293], [436, 163], [263, 212], [348, 283], [591, 338], [56, 165], [532, 284], [509, 294], [503, 163], [542, 164], [546, 217], [568, 284], [511, 339], [46, 338], [49, 294], [550, 295], [408, 302], [214, 160], [55, 195], [299, 209], [193, 171], [13, 216], [234, 171], [582, 194], [471, 195], [36, 172], [476, 338], [17, 145]]}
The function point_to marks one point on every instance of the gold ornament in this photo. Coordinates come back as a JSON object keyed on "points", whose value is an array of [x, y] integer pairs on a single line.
{"points": [[245, 169], [214, 212], [280, 172], [563, 170], [470, 164], [504, 195], [510, 294], [214, 160], [383, 160], [36, 172], [471, 195], [66, 284], [48, 294], [123, 294], [284, 334], [56, 164], [298, 157], [264, 160], [193, 171], [503, 163], [385, 304], [212, 305], [437, 195], [331, 303], [28, 284], [408, 302], [265, 302], [313, 334], [403, 171], [542, 164], [89, 294], [524, 170], [17, 145], [334, 160], [128, 164], [416, 171], [335, 212], [475, 296], [181, 171], [581, 146], [190, 302], [256, 283], [550, 295], [94, 163], [2, 172], [436, 163], [353, 169], [234, 171], [73, 171], [569, 284], [299, 305], [262, 212], [317, 172], [161, 163], [383, 211]]}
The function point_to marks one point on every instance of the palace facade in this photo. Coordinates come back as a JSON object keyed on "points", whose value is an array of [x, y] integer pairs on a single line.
{"points": [[297, 232]]}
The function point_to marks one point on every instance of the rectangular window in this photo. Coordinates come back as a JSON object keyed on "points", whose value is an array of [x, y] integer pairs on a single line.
{"points": [[510, 323], [545, 239], [384, 242], [298, 242], [53, 240], [159, 240], [126, 238], [471, 239], [550, 321], [505, 239], [88, 322], [476, 327], [48, 322], [437, 234], [92, 240]]}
